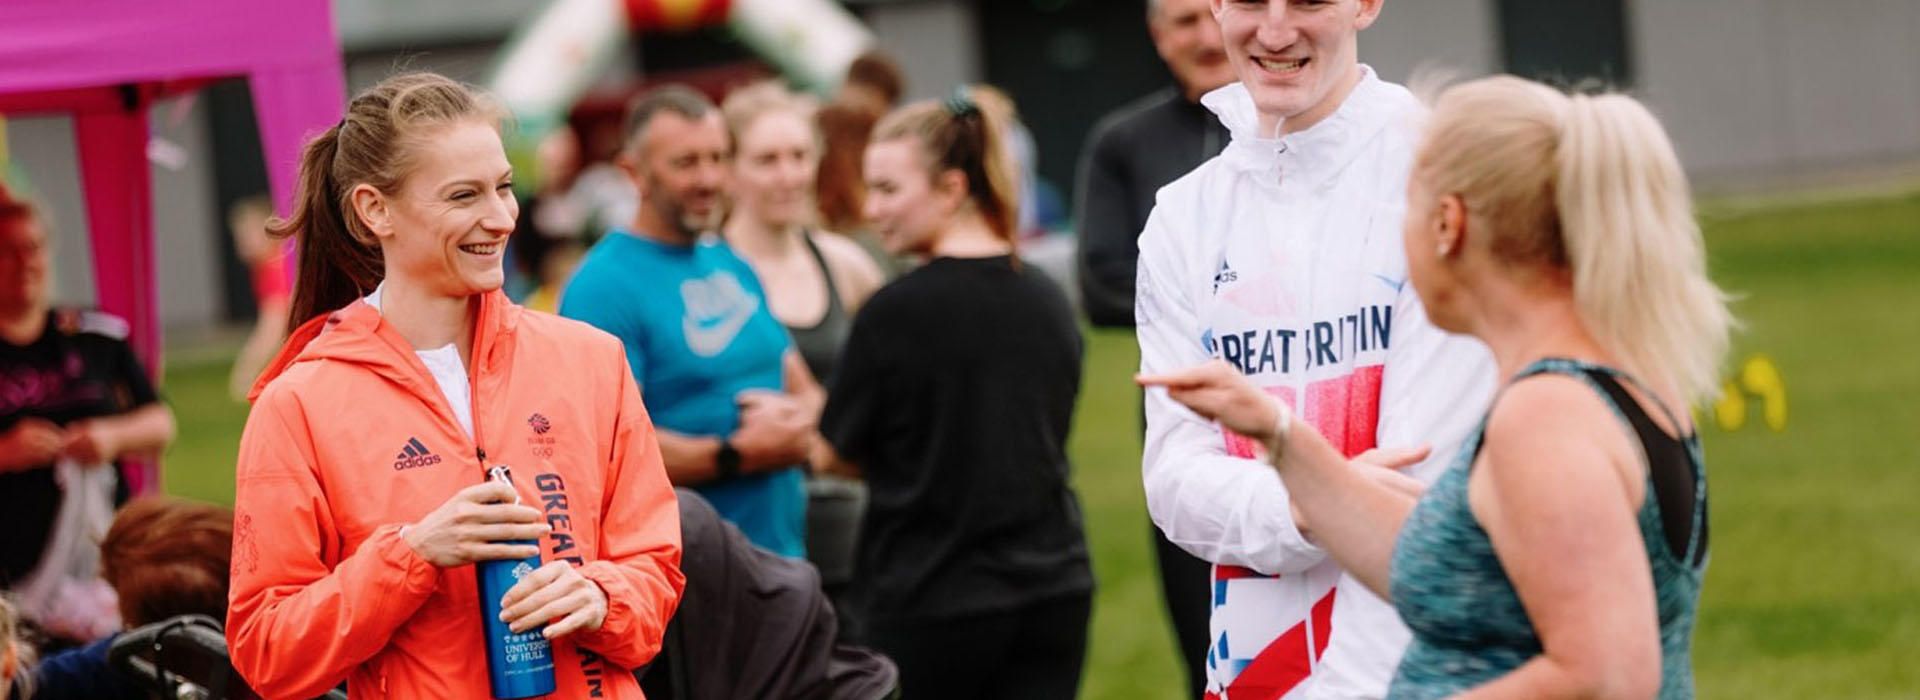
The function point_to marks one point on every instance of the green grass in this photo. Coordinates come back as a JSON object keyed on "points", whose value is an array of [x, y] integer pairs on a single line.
{"points": [[1814, 587]]}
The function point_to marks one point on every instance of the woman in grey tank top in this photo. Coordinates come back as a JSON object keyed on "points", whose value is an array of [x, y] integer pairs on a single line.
{"points": [[814, 281], [1561, 554]]}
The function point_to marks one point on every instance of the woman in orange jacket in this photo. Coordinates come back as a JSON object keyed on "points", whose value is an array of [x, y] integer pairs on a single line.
{"points": [[361, 501]]}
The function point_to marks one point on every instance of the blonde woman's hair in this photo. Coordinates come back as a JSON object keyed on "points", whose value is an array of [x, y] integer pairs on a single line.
{"points": [[748, 104], [1589, 184], [966, 132]]}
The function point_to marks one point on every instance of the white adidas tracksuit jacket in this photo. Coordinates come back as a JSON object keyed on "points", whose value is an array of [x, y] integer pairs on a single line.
{"points": [[1284, 258]]}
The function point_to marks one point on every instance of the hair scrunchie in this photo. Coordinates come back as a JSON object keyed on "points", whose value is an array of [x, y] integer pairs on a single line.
{"points": [[960, 104]]}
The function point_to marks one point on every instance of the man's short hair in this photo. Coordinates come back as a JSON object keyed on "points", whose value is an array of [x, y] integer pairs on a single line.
{"points": [[678, 99]]}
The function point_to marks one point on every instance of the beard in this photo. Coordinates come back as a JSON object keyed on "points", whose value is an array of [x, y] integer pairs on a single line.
{"points": [[678, 221], [692, 225], [688, 224]]}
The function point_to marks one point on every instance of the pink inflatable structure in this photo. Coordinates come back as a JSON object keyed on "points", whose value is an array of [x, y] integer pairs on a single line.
{"points": [[104, 62]]}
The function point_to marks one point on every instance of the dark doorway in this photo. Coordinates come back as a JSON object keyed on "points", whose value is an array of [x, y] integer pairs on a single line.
{"points": [[1066, 63], [1566, 42], [239, 172]]}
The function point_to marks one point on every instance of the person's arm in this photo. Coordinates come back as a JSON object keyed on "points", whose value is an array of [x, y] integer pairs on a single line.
{"points": [[821, 453], [780, 429], [142, 432], [269, 331], [762, 441], [775, 430], [639, 531], [1355, 515], [827, 460], [1108, 232], [1224, 509], [856, 403], [776, 427], [31, 442], [800, 384], [1557, 506], [300, 616], [689, 459]]}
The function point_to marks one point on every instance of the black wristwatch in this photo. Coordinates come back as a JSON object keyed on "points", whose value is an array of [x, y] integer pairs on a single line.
{"points": [[726, 462]]}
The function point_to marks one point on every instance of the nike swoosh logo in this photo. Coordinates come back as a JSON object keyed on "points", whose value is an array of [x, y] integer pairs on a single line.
{"points": [[1396, 284], [709, 340]]}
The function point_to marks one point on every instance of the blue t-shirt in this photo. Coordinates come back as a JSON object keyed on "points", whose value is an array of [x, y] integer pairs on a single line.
{"points": [[697, 333]]}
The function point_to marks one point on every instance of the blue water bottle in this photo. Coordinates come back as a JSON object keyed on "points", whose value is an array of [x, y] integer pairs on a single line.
{"points": [[518, 665]]}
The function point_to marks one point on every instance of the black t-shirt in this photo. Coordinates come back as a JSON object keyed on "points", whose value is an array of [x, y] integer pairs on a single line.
{"points": [[80, 367], [955, 393]]}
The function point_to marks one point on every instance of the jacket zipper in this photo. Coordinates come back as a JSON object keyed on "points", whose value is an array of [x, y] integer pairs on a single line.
{"points": [[473, 396]]}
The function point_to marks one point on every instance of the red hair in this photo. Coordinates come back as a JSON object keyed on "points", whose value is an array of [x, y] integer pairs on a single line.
{"points": [[168, 556]]}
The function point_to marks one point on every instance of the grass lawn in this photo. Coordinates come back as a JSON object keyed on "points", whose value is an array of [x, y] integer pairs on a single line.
{"points": [[1814, 586]]}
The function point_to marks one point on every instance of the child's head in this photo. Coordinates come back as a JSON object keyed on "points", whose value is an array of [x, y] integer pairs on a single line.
{"points": [[168, 556]]}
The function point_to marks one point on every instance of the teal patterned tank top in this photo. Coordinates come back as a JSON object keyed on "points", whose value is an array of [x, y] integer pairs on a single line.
{"points": [[1468, 624]]}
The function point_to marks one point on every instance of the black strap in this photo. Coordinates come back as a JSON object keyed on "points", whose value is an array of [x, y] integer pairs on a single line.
{"points": [[826, 273], [1669, 463], [1672, 475]]}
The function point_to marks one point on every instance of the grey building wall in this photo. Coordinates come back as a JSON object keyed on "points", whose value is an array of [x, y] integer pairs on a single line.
{"points": [[369, 25], [1755, 93], [466, 63], [1757, 87], [935, 42], [189, 232], [1455, 36]]}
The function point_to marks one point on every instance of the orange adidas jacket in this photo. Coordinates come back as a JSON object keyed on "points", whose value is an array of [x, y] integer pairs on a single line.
{"points": [[350, 439]]}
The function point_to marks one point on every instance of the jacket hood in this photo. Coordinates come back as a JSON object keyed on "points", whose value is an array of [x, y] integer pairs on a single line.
{"points": [[357, 333], [1319, 151]]}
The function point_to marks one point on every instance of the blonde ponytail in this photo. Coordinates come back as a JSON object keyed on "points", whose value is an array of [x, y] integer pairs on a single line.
{"points": [[1589, 185], [1639, 265]]}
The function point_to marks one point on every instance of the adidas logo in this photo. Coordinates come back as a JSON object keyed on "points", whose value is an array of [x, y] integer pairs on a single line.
{"points": [[414, 456], [1225, 275]]}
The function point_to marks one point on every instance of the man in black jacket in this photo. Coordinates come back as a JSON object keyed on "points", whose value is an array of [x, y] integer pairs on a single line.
{"points": [[1130, 155], [1140, 147]]}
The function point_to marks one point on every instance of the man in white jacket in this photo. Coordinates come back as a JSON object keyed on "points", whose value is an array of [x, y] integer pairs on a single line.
{"points": [[1283, 256]]}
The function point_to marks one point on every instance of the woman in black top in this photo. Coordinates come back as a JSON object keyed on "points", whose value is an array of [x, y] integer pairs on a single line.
{"points": [[953, 398], [70, 389]]}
